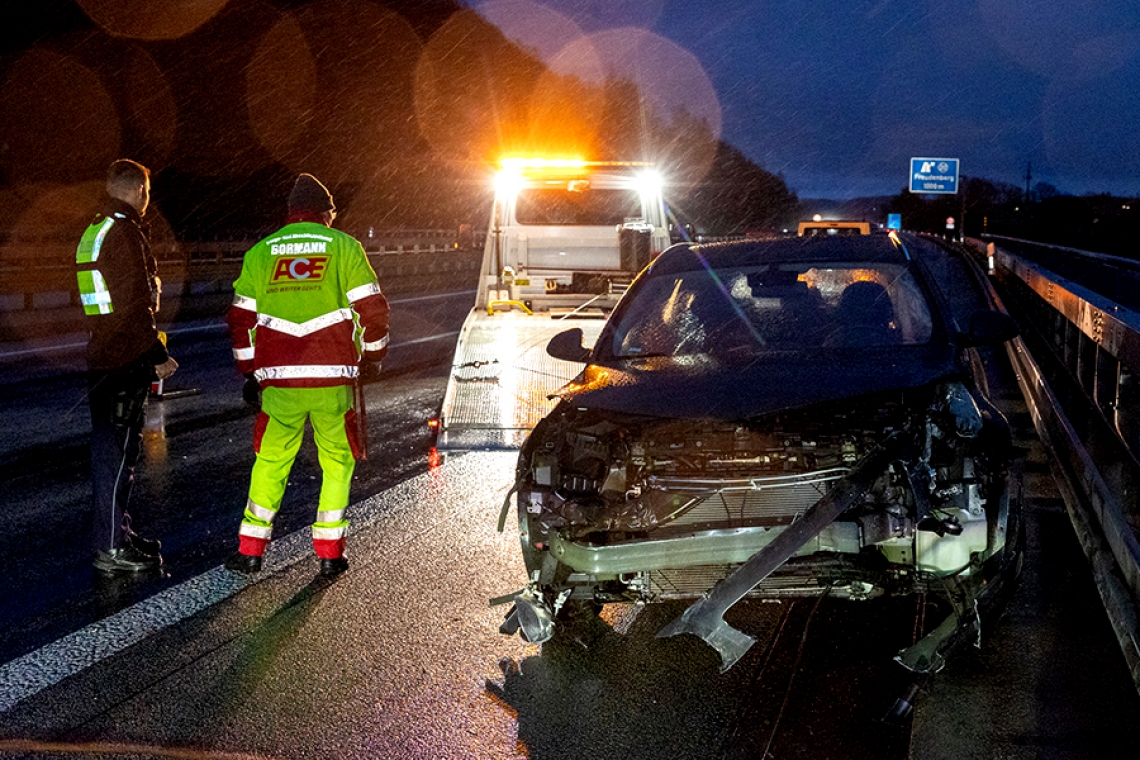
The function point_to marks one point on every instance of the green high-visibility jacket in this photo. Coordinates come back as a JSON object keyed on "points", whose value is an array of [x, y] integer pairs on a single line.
{"points": [[307, 307]]}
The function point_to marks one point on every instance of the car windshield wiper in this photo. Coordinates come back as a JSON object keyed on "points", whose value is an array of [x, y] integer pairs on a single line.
{"points": [[625, 357]]}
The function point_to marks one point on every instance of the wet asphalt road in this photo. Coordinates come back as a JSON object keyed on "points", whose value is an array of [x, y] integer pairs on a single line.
{"points": [[190, 484], [401, 657]]}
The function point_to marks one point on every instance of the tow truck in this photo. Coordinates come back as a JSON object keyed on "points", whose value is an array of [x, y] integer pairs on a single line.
{"points": [[566, 238], [822, 227]]}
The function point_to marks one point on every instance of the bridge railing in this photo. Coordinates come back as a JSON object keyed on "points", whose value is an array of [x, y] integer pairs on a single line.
{"points": [[1078, 363], [39, 273]]}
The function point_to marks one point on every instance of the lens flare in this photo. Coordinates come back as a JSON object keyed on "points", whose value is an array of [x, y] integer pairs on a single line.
{"points": [[66, 124], [150, 20]]}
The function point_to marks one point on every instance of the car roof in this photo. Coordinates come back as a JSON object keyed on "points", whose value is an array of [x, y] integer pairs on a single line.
{"points": [[858, 248]]}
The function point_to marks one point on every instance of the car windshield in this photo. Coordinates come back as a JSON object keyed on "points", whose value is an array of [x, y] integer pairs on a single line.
{"points": [[738, 312], [577, 205]]}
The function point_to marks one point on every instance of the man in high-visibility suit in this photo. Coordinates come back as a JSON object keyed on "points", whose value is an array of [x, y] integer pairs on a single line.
{"points": [[307, 311]]}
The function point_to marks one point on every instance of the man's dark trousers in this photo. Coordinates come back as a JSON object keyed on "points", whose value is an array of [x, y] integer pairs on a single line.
{"points": [[118, 412]]}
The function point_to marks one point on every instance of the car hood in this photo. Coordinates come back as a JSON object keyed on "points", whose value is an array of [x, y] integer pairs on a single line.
{"points": [[702, 388]]}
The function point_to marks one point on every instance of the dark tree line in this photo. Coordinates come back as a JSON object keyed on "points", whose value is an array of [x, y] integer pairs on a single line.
{"points": [[401, 107]]}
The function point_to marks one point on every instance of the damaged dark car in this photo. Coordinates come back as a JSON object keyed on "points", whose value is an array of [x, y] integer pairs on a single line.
{"points": [[772, 419]]}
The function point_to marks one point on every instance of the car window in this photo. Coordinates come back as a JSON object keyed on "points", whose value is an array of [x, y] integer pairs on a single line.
{"points": [[742, 311]]}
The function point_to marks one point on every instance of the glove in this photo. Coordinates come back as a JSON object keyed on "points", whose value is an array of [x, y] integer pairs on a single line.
{"points": [[251, 392], [369, 372]]}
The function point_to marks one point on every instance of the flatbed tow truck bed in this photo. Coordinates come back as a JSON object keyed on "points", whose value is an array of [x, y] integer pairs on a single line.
{"points": [[502, 379]]}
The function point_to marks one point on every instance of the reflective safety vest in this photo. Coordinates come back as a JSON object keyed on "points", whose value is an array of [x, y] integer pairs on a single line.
{"points": [[306, 307], [93, 292]]}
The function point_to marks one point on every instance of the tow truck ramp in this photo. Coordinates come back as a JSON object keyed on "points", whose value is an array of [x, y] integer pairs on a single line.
{"points": [[502, 379]]}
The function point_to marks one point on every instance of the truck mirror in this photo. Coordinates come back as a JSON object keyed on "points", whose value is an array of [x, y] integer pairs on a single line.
{"points": [[567, 345]]}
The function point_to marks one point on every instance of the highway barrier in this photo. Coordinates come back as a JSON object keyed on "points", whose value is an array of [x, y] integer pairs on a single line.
{"points": [[39, 273], [1078, 364]]}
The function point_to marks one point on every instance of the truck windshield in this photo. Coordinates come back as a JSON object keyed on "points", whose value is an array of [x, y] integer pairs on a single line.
{"points": [[591, 206]]}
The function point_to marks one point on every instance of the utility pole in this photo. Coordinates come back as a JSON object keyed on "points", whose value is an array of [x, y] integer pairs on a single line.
{"points": [[962, 216], [1028, 178]]}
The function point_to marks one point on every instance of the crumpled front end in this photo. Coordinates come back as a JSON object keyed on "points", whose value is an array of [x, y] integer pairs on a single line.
{"points": [[618, 508]]}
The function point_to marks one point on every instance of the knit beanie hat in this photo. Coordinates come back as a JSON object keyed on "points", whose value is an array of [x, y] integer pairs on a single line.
{"points": [[309, 194]]}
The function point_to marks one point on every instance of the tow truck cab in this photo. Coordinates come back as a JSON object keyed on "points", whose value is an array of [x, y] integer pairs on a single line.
{"points": [[565, 231]]}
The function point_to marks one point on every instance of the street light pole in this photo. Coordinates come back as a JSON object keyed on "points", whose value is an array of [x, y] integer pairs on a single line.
{"points": [[962, 216]]}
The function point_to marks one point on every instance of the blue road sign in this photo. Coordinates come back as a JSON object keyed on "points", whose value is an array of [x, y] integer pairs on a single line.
{"points": [[934, 175], [894, 221]]}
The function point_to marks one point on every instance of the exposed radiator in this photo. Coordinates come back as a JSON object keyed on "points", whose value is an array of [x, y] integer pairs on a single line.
{"points": [[800, 577], [743, 502], [693, 582]]}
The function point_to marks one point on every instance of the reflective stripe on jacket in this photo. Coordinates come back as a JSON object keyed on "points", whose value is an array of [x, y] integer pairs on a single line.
{"points": [[115, 274], [93, 291], [306, 307]]}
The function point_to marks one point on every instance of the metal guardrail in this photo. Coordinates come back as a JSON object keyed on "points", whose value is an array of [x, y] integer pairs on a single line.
{"points": [[38, 273], [1078, 364]]}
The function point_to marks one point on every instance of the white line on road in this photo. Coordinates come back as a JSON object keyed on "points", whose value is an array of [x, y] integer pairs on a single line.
{"points": [[28, 675]]}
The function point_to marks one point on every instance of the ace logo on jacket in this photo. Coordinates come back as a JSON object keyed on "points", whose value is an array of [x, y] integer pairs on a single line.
{"points": [[299, 269]]}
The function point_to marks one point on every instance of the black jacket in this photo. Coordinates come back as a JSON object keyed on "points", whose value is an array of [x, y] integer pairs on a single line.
{"points": [[128, 335]]}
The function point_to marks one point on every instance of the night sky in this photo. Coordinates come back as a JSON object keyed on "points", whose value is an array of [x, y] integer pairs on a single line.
{"points": [[838, 95], [835, 96]]}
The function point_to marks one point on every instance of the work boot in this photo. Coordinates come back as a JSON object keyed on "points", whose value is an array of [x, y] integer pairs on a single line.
{"points": [[335, 566], [150, 546], [127, 559], [243, 563]]}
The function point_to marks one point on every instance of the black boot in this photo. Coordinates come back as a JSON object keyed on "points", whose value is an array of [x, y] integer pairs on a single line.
{"points": [[243, 563], [127, 559], [331, 567]]}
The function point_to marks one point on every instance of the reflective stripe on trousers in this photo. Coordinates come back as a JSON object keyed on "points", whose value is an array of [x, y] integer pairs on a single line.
{"points": [[287, 410]]}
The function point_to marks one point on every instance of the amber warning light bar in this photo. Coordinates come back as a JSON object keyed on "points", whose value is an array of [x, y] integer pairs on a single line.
{"points": [[519, 164]]}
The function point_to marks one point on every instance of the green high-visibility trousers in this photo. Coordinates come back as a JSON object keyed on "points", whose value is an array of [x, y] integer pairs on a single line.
{"points": [[280, 430]]}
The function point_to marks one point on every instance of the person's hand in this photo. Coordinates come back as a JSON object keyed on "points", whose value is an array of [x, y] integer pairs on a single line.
{"points": [[369, 371], [166, 369], [251, 391]]}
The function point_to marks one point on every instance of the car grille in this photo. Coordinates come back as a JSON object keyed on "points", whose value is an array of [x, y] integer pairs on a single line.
{"points": [[693, 582], [743, 502]]}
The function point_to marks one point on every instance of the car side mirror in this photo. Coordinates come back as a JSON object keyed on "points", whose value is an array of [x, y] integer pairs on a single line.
{"points": [[567, 345], [988, 328]]}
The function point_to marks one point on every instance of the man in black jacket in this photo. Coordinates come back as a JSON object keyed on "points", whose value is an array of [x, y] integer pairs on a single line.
{"points": [[119, 291]]}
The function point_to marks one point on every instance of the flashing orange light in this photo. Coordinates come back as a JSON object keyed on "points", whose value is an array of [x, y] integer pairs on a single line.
{"points": [[520, 164], [515, 171], [523, 164]]}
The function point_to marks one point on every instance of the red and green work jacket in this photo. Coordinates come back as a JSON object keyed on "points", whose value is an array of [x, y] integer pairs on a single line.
{"points": [[307, 307]]}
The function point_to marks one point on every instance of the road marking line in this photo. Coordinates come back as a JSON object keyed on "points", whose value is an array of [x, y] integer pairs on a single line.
{"points": [[44, 350], [221, 326], [207, 328], [71, 654], [437, 336]]}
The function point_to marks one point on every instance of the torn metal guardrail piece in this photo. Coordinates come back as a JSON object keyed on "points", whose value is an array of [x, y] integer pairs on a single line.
{"points": [[705, 618], [530, 614]]}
